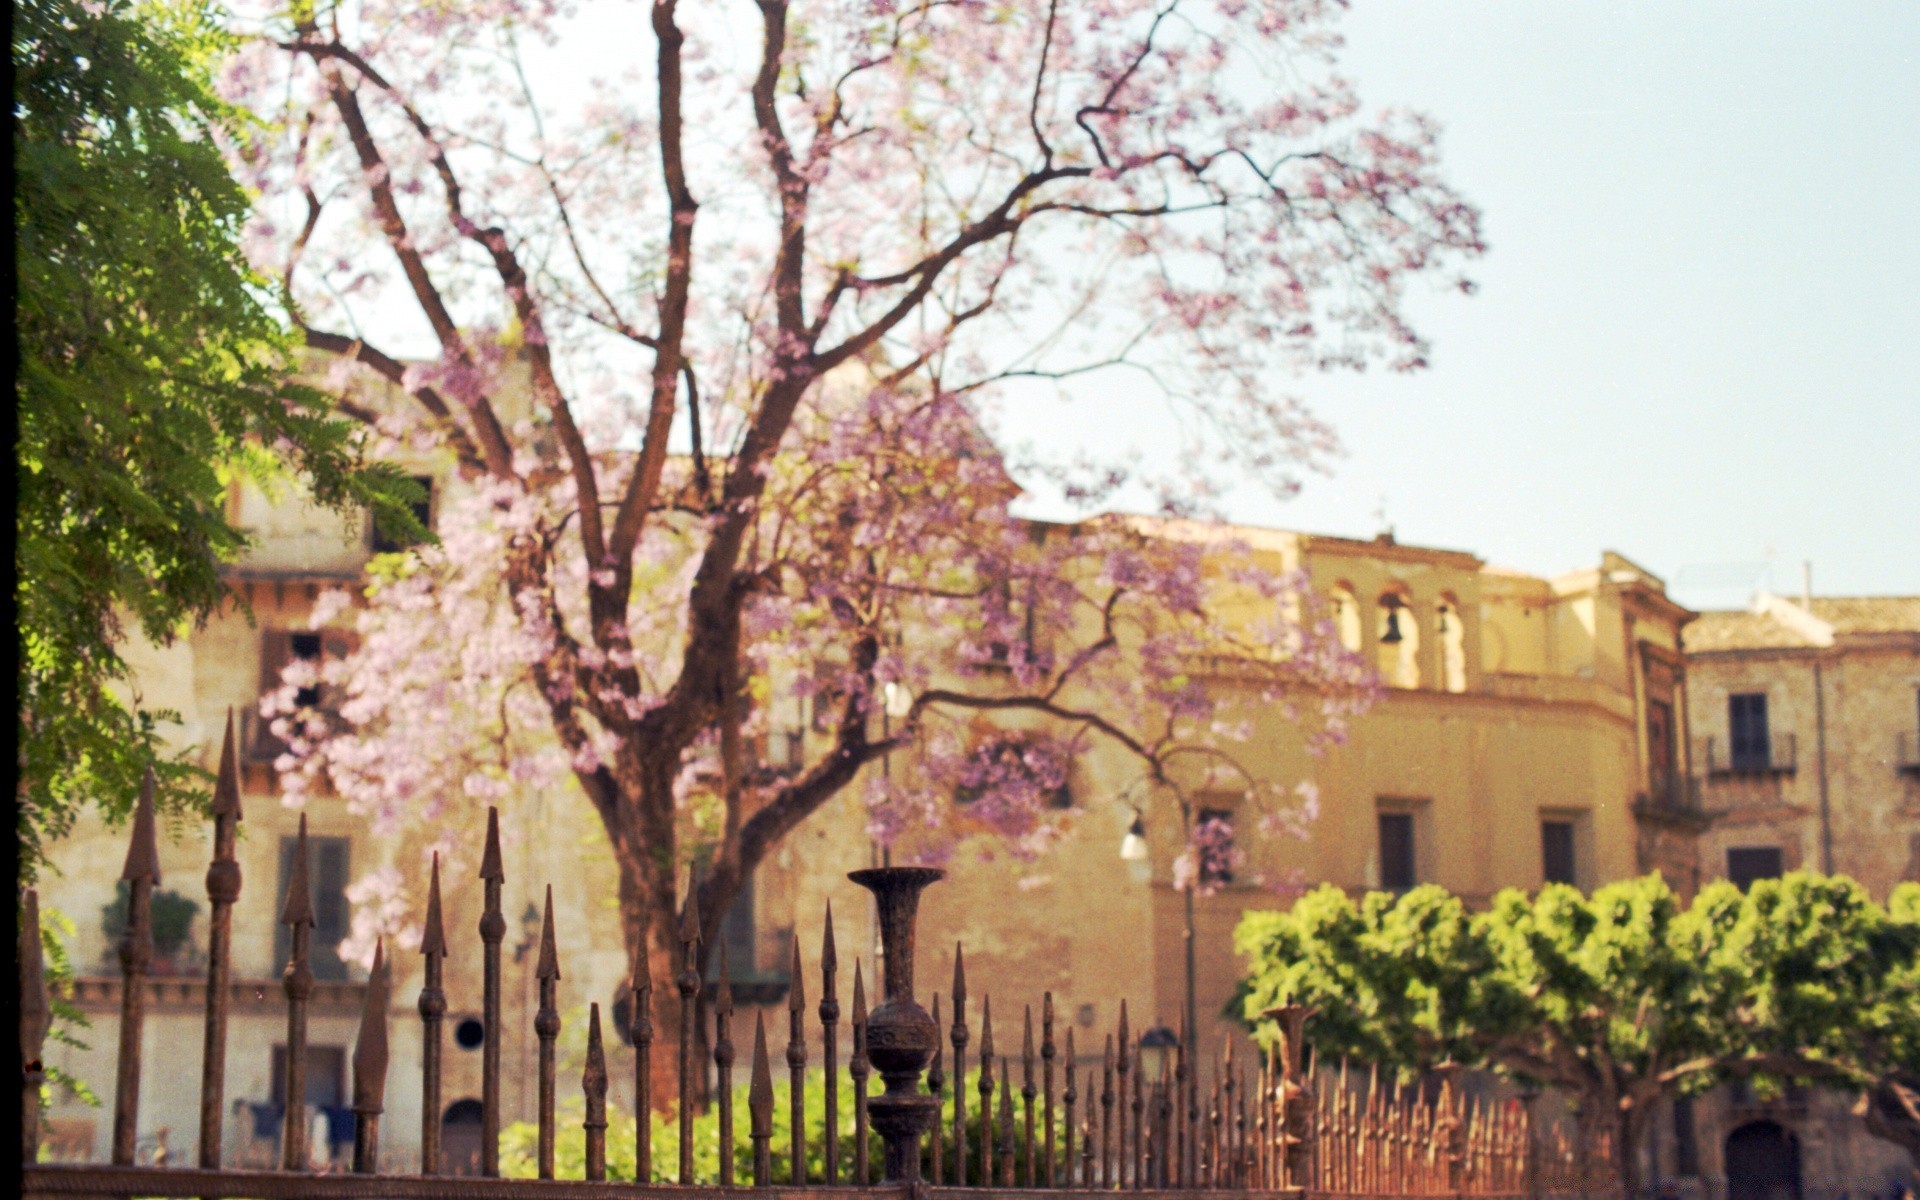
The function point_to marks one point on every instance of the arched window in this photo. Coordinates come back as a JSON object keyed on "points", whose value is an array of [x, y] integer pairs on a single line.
{"points": [[1398, 633], [1346, 615], [1451, 629]]}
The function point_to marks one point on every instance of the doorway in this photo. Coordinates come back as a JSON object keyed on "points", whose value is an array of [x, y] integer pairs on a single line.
{"points": [[460, 1138], [1763, 1162]]}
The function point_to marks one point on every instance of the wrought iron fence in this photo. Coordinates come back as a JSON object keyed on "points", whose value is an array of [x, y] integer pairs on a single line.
{"points": [[1265, 1127]]}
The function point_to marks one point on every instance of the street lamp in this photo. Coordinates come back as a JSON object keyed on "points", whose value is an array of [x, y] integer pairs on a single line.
{"points": [[1133, 849], [1156, 1050]]}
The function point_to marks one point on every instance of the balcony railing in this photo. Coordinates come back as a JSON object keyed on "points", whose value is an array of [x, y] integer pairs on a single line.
{"points": [[1675, 796], [1775, 756], [1906, 751]]}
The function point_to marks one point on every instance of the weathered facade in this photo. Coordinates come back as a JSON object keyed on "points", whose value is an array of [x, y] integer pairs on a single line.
{"points": [[1530, 727], [1805, 722]]}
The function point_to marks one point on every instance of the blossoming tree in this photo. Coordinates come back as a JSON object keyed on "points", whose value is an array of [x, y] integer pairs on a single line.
{"points": [[757, 293]]}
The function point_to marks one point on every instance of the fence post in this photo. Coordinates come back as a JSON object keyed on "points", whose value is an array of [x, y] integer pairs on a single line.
{"points": [[958, 1036], [937, 1087], [593, 1085], [36, 1015], [142, 874], [493, 931], [297, 983], [760, 1103], [546, 1027], [433, 1010], [223, 888], [688, 985], [642, 1030], [723, 1063], [900, 1034], [859, 1070], [1530, 1158], [830, 1050]]}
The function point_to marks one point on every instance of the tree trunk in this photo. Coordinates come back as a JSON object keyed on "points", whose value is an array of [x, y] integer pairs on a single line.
{"points": [[1627, 1127]]}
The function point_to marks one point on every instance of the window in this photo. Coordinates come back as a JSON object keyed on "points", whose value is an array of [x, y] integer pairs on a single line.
{"points": [[1005, 759], [1453, 645], [326, 1085], [737, 935], [1346, 616], [1686, 1140], [1557, 863], [1748, 744], [1659, 746], [1216, 863], [422, 509], [1397, 868], [1748, 863], [327, 874]]}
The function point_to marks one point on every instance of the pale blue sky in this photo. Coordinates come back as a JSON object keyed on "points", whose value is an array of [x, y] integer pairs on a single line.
{"points": [[1697, 339], [1698, 335]]}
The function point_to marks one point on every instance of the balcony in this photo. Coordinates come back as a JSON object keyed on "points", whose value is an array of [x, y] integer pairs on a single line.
{"points": [[1675, 799], [1775, 756], [1906, 752]]}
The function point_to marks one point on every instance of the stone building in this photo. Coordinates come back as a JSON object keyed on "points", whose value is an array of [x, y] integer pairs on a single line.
{"points": [[1805, 722], [1530, 732]]}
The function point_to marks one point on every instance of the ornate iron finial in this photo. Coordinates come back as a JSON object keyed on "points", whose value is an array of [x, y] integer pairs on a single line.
{"points": [[760, 1104], [226, 785], [490, 863], [959, 991], [593, 1083], [143, 849], [370, 1065], [829, 962], [690, 915], [298, 908], [433, 935], [548, 966]]}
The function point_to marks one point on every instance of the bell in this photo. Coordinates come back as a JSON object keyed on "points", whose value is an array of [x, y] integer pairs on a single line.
{"points": [[1392, 636]]}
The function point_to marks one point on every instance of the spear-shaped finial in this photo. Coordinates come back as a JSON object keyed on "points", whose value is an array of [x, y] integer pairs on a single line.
{"points": [[226, 785], [143, 848], [760, 1104], [859, 997], [959, 990], [829, 962], [490, 864], [370, 1066], [986, 1031], [690, 916], [796, 990], [298, 909], [1124, 1042], [1026, 1053], [433, 938], [370, 1047], [548, 966], [593, 1084]]}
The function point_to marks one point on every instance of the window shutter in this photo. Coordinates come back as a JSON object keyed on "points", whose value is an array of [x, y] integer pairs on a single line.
{"points": [[276, 651]]}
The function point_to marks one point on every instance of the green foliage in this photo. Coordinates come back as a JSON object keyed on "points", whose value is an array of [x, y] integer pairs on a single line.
{"points": [[1620, 997], [172, 919], [55, 928], [519, 1142], [151, 373]]}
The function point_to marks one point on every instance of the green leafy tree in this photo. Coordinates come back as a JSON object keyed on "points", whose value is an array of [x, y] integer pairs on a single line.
{"points": [[151, 372], [1619, 999]]}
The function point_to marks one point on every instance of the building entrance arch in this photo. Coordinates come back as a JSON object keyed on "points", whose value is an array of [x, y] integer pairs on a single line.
{"points": [[1763, 1162], [460, 1138]]}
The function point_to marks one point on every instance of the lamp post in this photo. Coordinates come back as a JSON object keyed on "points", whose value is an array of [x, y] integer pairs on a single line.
{"points": [[1133, 852]]}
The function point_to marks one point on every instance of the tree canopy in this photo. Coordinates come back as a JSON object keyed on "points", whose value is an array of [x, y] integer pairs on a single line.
{"points": [[151, 372], [1619, 998]]}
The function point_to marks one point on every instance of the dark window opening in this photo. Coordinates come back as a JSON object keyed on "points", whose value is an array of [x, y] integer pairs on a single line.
{"points": [[327, 875], [469, 1033], [1745, 864], [1217, 867], [1749, 746], [305, 647], [1557, 864], [461, 1137], [1397, 870], [1659, 746], [422, 510], [326, 1085], [1686, 1138]]}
